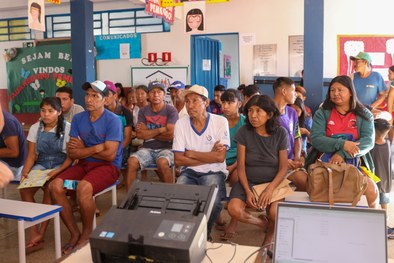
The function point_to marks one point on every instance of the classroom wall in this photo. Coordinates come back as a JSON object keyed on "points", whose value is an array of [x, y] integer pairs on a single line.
{"points": [[271, 20]]}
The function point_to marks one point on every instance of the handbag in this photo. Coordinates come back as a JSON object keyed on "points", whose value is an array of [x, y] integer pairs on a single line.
{"points": [[341, 183], [281, 191]]}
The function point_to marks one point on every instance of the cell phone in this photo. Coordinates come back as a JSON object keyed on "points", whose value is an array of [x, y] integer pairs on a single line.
{"points": [[70, 184]]}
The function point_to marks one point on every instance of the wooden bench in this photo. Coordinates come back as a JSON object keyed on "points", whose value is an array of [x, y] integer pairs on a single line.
{"points": [[29, 214]]}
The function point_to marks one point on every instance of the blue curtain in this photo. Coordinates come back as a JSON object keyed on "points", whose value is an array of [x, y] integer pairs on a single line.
{"points": [[205, 49]]}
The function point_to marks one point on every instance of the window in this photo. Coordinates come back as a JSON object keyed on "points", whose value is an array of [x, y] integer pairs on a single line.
{"points": [[15, 29], [109, 23]]}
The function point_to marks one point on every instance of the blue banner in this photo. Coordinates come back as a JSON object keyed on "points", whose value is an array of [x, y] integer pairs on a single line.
{"points": [[118, 46]]}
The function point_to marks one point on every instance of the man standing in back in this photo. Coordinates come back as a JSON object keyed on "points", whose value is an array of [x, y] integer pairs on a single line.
{"points": [[69, 108], [369, 85]]}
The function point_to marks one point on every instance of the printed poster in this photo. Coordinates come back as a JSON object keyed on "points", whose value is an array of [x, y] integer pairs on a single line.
{"points": [[36, 15], [264, 58], [194, 17], [296, 55]]}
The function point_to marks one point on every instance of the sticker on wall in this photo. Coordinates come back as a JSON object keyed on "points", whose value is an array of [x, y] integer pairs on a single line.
{"points": [[194, 17], [36, 14]]}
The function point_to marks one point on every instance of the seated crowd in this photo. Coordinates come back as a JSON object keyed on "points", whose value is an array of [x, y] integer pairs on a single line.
{"points": [[233, 138]]}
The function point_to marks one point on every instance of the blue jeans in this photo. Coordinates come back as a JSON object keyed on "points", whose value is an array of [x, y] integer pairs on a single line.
{"points": [[192, 177]]}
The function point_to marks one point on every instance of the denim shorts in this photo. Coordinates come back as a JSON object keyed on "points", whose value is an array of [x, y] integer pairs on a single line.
{"points": [[384, 198], [147, 156]]}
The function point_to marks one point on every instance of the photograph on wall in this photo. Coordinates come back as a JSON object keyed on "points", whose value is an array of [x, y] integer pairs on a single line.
{"points": [[264, 60], [36, 15], [296, 55], [194, 13], [227, 66], [379, 47], [35, 73]]}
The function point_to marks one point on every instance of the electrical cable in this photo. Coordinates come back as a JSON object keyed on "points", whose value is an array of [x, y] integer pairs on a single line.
{"points": [[258, 250]]}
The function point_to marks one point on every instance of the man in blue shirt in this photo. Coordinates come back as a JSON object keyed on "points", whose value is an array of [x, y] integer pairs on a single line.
{"points": [[369, 85], [96, 141]]}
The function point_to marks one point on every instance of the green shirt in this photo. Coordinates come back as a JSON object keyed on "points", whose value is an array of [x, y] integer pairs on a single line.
{"points": [[231, 155]]}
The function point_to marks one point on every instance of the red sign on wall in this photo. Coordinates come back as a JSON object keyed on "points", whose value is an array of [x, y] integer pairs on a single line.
{"points": [[154, 8], [380, 48]]}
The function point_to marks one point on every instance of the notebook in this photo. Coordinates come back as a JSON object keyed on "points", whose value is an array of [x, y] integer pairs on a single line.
{"points": [[316, 233]]}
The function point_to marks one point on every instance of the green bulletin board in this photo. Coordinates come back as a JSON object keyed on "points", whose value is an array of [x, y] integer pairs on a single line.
{"points": [[37, 72]]}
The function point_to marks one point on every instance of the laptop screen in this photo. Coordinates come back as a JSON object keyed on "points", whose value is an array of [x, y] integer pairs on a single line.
{"points": [[312, 233]]}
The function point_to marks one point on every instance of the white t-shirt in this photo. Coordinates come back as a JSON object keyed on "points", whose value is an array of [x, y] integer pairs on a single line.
{"points": [[187, 138], [32, 135]]}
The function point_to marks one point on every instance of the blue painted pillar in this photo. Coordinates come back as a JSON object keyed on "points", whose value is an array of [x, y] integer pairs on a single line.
{"points": [[82, 46], [313, 51]]}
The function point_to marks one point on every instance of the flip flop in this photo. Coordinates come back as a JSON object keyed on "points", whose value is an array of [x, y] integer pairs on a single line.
{"points": [[33, 247], [67, 249], [226, 236]]}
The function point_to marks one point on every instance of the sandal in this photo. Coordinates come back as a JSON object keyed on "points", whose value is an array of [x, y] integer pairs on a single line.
{"points": [[33, 247], [226, 236], [67, 249]]}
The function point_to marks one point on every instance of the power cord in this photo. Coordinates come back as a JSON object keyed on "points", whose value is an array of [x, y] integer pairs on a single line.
{"points": [[212, 248], [258, 250]]}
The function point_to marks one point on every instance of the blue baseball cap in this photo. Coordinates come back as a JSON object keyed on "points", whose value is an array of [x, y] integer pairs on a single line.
{"points": [[156, 84], [177, 85]]}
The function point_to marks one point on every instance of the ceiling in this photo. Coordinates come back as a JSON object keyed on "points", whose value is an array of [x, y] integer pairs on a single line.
{"points": [[11, 5]]}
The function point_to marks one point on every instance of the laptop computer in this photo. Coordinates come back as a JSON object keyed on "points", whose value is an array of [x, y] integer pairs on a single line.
{"points": [[324, 234]]}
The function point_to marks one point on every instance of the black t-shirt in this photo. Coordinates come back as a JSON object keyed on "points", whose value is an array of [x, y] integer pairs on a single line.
{"points": [[12, 127]]}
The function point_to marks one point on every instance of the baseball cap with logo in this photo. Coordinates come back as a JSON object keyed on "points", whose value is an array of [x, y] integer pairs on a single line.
{"points": [[156, 84], [177, 85], [200, 90], [110, 86], [363, 56], [97, 86]]}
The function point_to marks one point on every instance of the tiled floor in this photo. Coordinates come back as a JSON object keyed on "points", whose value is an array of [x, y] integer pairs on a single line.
{"points": [[246, 234]]}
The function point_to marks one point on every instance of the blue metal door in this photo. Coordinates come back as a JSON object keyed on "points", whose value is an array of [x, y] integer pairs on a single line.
{"points": [[204, 67]]}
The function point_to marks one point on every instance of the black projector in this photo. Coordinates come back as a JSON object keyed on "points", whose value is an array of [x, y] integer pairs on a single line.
{"points": [[155, 223]]}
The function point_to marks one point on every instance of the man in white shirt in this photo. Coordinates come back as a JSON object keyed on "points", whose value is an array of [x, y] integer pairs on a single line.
{"points": [[200, 145], [69, 108]]}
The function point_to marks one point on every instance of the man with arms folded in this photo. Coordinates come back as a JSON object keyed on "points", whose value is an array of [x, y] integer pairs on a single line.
{"points": [[96, 141], [200, 145]]}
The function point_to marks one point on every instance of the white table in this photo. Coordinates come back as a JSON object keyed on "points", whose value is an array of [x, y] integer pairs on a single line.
{"points": [[302, 197], [217, 252], [29, 214]]}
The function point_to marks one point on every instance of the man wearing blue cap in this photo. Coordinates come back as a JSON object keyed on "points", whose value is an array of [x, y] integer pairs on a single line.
{"points": [[155, 126], [369, 85], [176, 89]]}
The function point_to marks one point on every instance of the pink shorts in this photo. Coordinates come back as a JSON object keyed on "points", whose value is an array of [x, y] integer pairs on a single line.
{"points": [[99, 174]]}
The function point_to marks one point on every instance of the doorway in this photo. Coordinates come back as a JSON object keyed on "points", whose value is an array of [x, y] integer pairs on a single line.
{"points": [[215, 60]]}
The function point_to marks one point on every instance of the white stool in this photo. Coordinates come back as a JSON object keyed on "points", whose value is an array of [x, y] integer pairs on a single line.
{"points": [[111, 188]]}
